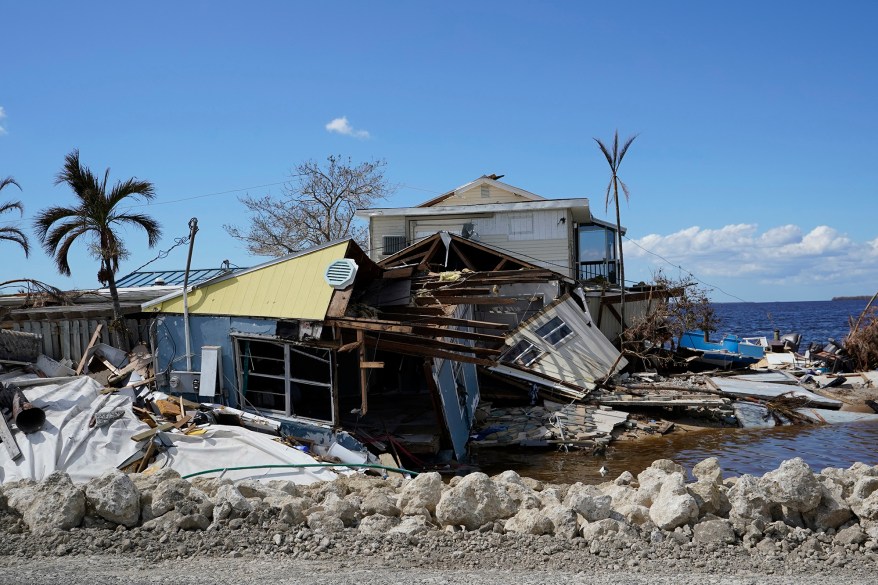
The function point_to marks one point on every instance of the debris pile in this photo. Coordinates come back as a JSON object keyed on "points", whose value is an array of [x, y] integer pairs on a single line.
{"points": [[790, 505]]}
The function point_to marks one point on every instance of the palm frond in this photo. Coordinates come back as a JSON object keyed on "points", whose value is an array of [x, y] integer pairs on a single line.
{"points": [[46, 218], [624, 189], [609, 195], [616, 150], [12, 234], [12, 205], [130, 188], [8, 181], [625, 147], [606, 152], [60, 254], [150, 226]]}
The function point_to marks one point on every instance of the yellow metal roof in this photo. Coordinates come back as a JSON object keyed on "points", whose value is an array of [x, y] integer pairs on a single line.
{"points": [[286, 289]]}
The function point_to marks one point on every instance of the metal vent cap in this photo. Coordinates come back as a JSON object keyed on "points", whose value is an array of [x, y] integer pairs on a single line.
{"points": [[341, 273]]}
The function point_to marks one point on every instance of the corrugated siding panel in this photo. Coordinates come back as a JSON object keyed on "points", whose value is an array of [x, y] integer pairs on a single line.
{"points": [[580, 359], [294, 289], [474, 196]]}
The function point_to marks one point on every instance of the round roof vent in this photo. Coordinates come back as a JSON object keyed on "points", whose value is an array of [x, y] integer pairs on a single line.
{"points": [[341, 273], [159, 281]]}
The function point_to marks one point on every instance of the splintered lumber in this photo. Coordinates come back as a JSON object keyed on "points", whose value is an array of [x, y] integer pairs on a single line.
{"points": [[409, 348], [8, 440], [475, 300], [430, 342], [137, 437], [87, 352], [706, 400], [168, 408], [439, 320]]}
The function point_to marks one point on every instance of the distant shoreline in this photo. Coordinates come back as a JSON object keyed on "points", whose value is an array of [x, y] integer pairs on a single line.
{"points": [[856, 298]]}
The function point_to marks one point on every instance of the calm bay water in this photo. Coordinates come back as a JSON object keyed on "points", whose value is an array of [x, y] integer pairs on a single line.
{"points": [[754, 451], [816, 321]]}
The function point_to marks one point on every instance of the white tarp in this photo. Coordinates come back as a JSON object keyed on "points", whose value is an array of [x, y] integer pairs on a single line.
{"points": [[66, 442], [228, 446]]}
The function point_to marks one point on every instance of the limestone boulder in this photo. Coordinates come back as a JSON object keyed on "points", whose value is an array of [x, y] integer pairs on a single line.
{"points": [[114, 497], [378, 524], [708, 470], [324, 522], [530, 521], [565, 521], [423, 491], [380, 502], [633, 514], [412, 525], [164, 496], [864, 498], [748, 502], [600, 529], [521, 494], [650, 480], [710, 496], [474, 502], [52, 504], [229, 503], [589, 502], [832, 511], [342, 508], [673, 506], [717, 532], [851, 535], [792, 485]]}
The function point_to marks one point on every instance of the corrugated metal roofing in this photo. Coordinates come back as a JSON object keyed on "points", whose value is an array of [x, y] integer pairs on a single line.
{"points": [[292, 288], [171, 277]]}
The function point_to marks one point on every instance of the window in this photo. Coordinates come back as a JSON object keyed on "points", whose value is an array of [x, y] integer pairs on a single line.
{"points": [[555, 331], [523, 353], [596, 250], [284, 378]]}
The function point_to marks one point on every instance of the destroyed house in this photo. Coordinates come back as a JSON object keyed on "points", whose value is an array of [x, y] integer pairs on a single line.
{"points": [[343, 350], [561, 235]]}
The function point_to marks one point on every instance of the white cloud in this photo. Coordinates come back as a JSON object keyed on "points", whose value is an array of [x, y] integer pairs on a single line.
{"points": [[783, 255], [2, 117], [342, 126]]}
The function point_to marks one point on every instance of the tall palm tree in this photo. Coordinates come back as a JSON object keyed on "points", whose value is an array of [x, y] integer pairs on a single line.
{"points": [[614, 158], [12, 233], [96, 215]]}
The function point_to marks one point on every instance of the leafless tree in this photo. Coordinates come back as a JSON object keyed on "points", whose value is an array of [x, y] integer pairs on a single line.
{"points": [[317, 206]]}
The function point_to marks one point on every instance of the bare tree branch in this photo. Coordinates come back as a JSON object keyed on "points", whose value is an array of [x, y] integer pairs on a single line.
{"points": [[317, 206]]}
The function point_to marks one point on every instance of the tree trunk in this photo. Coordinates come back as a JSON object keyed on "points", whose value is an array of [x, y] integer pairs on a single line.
{"points": [[117, 327], [621, 258]]}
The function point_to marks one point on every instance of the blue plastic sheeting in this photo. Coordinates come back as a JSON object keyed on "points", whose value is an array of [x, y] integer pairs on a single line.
{"points": [[170, 277]]}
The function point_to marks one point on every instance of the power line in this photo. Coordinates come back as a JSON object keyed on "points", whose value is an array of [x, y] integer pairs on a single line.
{"points": [[685, 270]]}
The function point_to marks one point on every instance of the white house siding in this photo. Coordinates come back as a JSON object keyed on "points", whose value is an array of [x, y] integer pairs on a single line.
{"points": [[475, 196], [384, 226], [580, 358]]}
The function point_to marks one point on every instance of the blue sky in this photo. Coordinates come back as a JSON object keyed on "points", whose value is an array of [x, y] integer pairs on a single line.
{"points": [[755, 166]]}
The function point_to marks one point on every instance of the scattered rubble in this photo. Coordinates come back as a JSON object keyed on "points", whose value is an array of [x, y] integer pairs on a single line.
{"points": [[789, 515]]}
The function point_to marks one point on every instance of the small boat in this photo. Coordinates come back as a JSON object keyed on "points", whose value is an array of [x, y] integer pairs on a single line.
{"points": [[731, 352]]}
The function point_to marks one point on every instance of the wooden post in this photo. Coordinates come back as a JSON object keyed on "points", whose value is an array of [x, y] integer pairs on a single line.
{"points": [[364, 378], [85, 354]]}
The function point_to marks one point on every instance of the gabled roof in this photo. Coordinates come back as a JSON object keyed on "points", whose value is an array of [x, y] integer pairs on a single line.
{"points": [[290, 287], [447, 251], [483, 180]]}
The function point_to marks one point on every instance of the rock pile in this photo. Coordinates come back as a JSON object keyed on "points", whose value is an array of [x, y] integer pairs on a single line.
{"points": [[788, 508]]}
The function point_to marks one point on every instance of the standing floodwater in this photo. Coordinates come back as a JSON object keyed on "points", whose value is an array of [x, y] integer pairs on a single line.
{"points": [[753, 451]]}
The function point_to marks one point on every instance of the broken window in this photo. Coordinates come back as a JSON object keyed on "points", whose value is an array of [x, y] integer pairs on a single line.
{"points": [[523, 353], [555, 331], [286, 378]]}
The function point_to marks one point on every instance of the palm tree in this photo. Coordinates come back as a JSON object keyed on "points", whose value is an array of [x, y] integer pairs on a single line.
{"points": [[10, 233], [614, 158], [97, 215]]}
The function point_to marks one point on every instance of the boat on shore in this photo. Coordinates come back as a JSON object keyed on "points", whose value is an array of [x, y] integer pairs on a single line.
{"points": [[731, 352]]}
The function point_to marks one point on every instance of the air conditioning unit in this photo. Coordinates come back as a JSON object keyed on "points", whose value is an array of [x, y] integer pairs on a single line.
{"points": [[392, 244]]}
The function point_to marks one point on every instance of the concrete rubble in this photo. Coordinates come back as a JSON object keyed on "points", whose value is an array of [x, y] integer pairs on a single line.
{"points": [[791, 508]]}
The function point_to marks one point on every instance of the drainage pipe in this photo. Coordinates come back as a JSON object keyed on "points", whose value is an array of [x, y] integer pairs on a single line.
{"points": [[28, 418]]}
